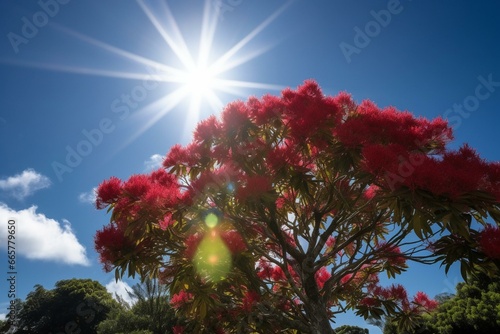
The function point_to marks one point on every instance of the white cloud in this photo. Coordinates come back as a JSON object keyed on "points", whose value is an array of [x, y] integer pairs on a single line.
{"points": [[25, 184], [42, 238], [3, 316], [120, 288], [154, 162], [88, 197]]}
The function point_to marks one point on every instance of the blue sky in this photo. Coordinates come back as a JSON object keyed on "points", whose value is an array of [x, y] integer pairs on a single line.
{"points": [[78, 69]]}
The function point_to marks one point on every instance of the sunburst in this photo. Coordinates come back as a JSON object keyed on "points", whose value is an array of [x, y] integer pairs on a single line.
{"points": [[196, 79]]}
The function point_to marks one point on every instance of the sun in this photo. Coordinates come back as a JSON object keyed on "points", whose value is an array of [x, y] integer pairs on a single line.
{"points": [[196, 80], [200, 81]]}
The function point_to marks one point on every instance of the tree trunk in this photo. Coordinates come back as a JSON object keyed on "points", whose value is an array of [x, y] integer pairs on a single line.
{"points": [[320, 323], [314, 307]]}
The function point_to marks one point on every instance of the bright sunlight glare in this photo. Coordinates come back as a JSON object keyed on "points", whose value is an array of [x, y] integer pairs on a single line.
{"points": [[200, 81], [197, 80]]}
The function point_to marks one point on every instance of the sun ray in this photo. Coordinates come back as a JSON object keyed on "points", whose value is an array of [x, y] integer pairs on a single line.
{"points": [[218, 65], [120, 52], [155, 111], [82, 70], [230, 64], [208, 28], [179, 47], [248, 84], [198, 77]]}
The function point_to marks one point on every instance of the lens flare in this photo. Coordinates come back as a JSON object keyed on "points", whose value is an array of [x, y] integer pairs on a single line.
{"points": [[212, 259], [211, 220]]}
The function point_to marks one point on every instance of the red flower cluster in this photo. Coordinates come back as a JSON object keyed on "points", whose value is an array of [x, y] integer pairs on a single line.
{"points": [[423, 301], [254, 188], [191, 243], [178, 329], [108, 192], [152, 196], [370, 125], [392, 255], [155, 192], [249, 300], [110, 242], [397, 293], [489, 241], [321, 276], [264, 269], [307, 110], [233, 241], [452, 175], [181, 298], [207, 129]]}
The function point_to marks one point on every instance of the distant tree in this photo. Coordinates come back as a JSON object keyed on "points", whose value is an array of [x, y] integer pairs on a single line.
{"points": [[281, 213], [74, 305], [3, 326], [121, 320], [11, 323], [346, 329], [150, 313], [475, 308], [153, 302]]}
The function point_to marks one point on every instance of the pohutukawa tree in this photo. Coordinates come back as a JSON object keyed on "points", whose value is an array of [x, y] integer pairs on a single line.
{"points": [[282, 213]]}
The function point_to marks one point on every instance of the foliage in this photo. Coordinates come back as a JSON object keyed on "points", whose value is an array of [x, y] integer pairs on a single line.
{"points": [[283, 212], [151, 312], [346, 329], [474, 309], [73, 305], [122, 320]]}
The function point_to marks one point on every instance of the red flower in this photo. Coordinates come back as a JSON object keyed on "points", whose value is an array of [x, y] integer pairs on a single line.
{"points": [[162, 177], [181, 298], [307, 110], [489, 241], [371, 191], [255, 187], [166, 222], [192, 243], [233, 241], [158, 196], [234, 116], [330, 242], [177, 155], [322, 275], [137, 185], [371, 125], [250, 298], [421, 299], [265, 270], [268, 108], [108, 192], [398, 292], [280, 202], [207, 129], [178, 329], [110, 242], [369, 302], [392, 254], [346, 279], [278, 274]]}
